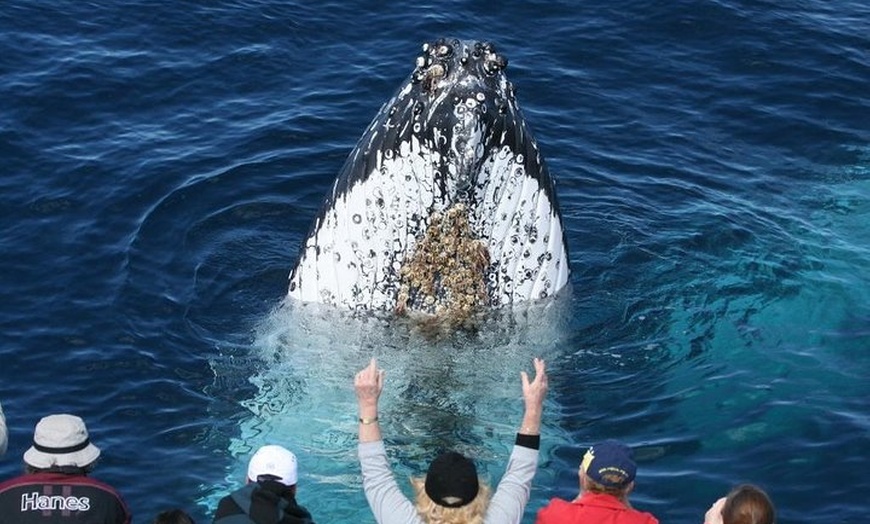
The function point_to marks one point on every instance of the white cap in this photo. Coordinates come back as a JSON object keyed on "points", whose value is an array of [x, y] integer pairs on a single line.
{"points": [[276, 461]]}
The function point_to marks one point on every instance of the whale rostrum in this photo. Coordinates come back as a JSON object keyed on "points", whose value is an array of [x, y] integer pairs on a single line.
{"points": [[445, 206]]}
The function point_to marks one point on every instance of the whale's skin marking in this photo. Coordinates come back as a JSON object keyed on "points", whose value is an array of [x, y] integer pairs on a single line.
{"points": [[452, 134]]}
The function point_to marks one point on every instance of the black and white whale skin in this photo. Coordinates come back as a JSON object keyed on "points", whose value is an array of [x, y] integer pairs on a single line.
{"points": [[444, 205]]}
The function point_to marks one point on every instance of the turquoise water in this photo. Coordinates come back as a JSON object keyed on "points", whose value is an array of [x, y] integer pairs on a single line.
{"points": [[162, 165]]}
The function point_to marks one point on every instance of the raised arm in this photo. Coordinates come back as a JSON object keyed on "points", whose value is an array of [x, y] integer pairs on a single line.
{"points": [[510, 498], [534, 393], [386, 500], [369, 383]]}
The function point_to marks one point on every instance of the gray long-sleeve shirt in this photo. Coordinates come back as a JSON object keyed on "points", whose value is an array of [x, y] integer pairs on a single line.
{"points": [[3, 432], [390, 506]]}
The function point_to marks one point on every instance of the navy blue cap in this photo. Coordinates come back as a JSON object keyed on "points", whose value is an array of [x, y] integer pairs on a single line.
{"points": [[610, 464]]}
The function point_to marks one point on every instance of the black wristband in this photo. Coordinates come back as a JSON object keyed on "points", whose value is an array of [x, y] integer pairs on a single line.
{"points": [[528, 441]]}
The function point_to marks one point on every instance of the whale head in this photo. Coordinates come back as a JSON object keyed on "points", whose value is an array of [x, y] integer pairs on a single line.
{"points": [[445, 205]]}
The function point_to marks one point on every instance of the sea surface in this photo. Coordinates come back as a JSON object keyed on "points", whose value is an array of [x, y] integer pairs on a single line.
{"points": [[162, 163]]}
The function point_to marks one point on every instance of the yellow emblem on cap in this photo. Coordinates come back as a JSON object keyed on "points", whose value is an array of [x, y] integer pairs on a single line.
{"points": [[587, 459]]}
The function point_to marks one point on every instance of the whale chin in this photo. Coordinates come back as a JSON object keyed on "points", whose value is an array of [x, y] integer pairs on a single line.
{"points": [[445, 206]]}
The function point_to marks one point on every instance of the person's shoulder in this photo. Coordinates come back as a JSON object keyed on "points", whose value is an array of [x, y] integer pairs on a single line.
{"points": [[85, 480], [298, 515], [227, 505], [649, 518], [20, 480], [642, 517], [43, 478], [109, 492], [557, 502], [555, 507], [226, 509]]}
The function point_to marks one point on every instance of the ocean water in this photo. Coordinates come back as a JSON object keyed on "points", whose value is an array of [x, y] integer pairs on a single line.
{"points": [[163, 161]]}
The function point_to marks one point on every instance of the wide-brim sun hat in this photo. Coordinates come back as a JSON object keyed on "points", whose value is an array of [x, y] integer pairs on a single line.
{"points": [[61, 441]]}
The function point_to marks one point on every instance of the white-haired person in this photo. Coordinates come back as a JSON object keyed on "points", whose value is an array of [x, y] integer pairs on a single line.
{"points": [[269, 493], [606, 476], [56, 487], [451, 491]]}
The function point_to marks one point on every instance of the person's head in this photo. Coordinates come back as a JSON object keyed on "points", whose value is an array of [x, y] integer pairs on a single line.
{"points": [[173, 516], [608, 467], [61, 444], [748, 504], [275, 463], [451, 492]]}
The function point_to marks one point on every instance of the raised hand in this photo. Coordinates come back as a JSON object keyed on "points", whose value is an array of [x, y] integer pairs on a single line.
{"points": [[368, 384], [534, 393]]}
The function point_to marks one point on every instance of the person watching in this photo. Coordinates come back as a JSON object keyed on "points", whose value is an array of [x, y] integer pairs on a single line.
{"points": [[745, 504], [451, 491], [56, 487], [269, 493], [607, 475]]}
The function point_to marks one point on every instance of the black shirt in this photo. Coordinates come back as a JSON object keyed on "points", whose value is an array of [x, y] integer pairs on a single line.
{"points": [[265, 502], [59, 498]]}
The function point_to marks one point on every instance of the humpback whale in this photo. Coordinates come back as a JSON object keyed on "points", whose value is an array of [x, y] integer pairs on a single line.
{"points": [[445, 205]]}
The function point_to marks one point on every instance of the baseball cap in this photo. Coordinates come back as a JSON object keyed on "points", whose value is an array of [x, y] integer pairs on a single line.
{"points": [[276, 461], [610, 464], [451, 480]]}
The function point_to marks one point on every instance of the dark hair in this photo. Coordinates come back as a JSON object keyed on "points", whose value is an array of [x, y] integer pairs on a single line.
{"points": [[274, 485], [66, 470], [748, 504], [173, 516]]}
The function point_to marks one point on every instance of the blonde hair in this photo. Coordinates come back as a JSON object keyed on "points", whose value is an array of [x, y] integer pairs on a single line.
{"points": [[595, 487], [590, 485], [432, 513]]}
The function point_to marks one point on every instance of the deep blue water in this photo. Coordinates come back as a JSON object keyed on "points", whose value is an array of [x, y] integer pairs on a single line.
{"points": [[162, 162]]}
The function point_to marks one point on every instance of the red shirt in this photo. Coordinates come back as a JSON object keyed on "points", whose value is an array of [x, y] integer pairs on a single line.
{"points": [[592, 508]]}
